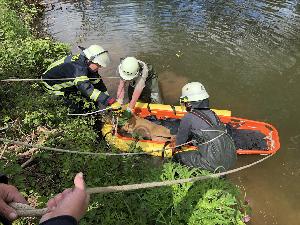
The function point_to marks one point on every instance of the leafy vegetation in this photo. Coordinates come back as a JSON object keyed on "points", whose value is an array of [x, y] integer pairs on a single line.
{"points": [[33, 116]]}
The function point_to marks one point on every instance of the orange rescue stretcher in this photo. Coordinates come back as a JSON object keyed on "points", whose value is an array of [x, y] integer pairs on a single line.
{"points": [[162, 112]]}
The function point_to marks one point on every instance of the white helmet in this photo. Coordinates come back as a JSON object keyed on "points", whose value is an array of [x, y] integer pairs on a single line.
{"points": [[129, 68], [97, 54], [193, 92]]}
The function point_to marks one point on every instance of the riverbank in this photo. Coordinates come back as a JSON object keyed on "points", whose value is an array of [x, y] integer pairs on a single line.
{"points": [[32, 116]]}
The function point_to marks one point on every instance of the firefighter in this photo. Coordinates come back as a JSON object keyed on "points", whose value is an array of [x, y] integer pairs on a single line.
{"points": [[79, 72], [216, 149], [141, 80]]}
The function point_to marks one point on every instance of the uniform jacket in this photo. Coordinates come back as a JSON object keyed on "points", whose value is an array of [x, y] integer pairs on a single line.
{"points": [[82, 79]]}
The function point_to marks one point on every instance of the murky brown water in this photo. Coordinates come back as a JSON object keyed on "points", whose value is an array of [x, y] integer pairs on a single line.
{"points": [[247, 54]]}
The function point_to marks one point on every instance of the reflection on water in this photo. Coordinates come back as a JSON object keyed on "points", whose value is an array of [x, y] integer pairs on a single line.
{"points": [[170, 86], [247, 54]]}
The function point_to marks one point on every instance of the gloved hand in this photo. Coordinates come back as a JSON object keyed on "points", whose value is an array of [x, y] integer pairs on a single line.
{"points": [[116, 106], [120, 101]]}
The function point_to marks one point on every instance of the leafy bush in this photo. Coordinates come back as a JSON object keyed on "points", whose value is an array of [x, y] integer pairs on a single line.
{"points": [[28, 58], [21, 54], [10, 27], [210, 201]]}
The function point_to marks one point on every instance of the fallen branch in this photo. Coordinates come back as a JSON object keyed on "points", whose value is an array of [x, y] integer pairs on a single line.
{"points": [[28, 161], [3, 151]]}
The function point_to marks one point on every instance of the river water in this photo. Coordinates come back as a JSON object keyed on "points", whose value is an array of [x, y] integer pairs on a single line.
{"points": [[246, 53]]}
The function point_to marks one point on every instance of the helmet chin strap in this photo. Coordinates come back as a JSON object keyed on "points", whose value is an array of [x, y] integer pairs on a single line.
{"points": [[81, 48], [94, 56]]}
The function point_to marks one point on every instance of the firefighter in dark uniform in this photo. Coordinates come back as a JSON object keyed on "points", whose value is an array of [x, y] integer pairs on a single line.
{"points": [[216, 149], [80, 73]]}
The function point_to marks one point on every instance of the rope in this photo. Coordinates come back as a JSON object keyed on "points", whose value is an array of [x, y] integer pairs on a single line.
{"points": [[28, 211], [111, 154], [102, 153], [70, 151], [8, 125], [116, 126], [90, 113], [4, 128], [85, 153], [212, 139], [39, 79], [24, 210]]}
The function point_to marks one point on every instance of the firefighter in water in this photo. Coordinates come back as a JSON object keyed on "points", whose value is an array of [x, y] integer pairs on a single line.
{"points": [[216, 149], [142, 83], [79, 73]]}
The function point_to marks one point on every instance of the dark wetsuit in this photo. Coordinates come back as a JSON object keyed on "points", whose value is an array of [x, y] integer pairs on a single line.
{"points": [[216, 149]]}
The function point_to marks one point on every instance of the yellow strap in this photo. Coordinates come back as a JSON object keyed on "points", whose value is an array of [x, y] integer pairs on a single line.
{"points": [[95, 94], [50, 91], [75, 57], [47, 86], [56, 63], [56, 87], [80, 79], [58, 93], [67, 84]]}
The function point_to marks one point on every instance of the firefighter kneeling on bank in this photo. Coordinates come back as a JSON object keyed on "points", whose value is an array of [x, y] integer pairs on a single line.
{"points": [[79, 73]]}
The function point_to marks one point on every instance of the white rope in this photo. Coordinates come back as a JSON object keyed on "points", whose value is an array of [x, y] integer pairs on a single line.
{"points": [[70, 151], [204, 143], [39, 79], [90, 113], [220, 131], [4, 128], [194, 141], [106, 154], [116, 126], [84, 153]]}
